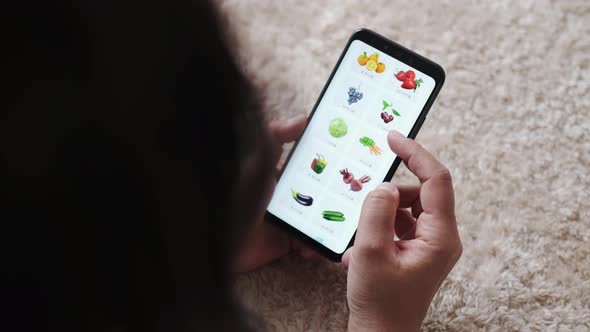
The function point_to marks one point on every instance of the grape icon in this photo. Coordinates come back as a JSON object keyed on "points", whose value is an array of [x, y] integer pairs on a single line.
{"points": [[354, 95]]}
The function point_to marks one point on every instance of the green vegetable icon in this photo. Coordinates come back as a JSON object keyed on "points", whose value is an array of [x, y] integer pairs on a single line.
{"points": [[336, 216], [319, 164], [338, 128], [368, 142]]}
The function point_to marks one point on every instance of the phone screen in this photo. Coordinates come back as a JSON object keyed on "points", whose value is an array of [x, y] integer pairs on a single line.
{"points": [[343, 153]]}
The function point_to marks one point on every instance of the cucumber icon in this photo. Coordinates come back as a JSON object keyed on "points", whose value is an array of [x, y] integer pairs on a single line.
{"points": [[336, 216]]}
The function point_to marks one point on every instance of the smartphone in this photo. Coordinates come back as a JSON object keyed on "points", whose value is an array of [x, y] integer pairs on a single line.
{"points": [[376, 86]]}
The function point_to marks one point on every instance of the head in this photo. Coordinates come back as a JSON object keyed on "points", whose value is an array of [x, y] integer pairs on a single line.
{"points": [[129, 140]]}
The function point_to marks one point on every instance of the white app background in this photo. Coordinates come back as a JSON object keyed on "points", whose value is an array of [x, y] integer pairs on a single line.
{"points": [[363, 119]]}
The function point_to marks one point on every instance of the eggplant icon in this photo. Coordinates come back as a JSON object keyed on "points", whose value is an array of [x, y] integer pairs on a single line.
{"points": [[302, 199]]}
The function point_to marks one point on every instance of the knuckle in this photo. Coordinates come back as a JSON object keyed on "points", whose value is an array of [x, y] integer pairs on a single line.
{"points": [[414, 163], [371, 250], [445, 175]]}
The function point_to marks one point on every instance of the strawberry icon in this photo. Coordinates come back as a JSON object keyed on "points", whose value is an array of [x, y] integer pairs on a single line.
{"points": [[401, 76], [409, 84], [409, 80]]}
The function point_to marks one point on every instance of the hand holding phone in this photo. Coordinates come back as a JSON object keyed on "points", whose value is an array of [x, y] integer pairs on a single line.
{"points": [[377, 86], [264, 243], [391, 283]]}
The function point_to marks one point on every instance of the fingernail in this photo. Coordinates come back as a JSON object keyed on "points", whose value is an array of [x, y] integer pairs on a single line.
{"points": [[296, 118], [396, 134], [386, 186]]}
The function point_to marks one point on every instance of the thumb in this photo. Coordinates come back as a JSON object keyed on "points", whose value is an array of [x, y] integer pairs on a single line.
{"points": [[289, 130], [376, 227]]}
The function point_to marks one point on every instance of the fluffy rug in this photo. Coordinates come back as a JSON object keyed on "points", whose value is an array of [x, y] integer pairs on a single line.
{"points": [[512, 123]]}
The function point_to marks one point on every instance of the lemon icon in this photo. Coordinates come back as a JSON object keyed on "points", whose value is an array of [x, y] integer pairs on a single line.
{"points": [[371, 65]]}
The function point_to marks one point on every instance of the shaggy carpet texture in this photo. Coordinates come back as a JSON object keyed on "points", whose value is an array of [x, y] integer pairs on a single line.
{"points": [[512, 123]]}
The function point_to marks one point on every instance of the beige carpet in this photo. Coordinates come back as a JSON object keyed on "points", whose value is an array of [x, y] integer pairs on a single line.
{"points": [[512, 123]]}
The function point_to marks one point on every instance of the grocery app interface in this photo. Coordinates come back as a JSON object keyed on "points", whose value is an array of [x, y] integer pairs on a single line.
{"points": [[344, 154]]}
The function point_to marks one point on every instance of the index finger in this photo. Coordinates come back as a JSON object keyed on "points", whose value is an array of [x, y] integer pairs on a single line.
{"points": [[437, 196]]}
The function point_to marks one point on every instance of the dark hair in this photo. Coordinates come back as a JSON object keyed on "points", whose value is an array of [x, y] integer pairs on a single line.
{"points": [[122, 144]]}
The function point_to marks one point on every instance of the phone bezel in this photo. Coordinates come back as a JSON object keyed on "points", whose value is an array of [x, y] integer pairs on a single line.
{"points": [[394, 50]]}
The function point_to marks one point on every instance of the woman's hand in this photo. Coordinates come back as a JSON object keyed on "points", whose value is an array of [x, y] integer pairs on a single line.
{"points": [[265, 242], [391, 283]]}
